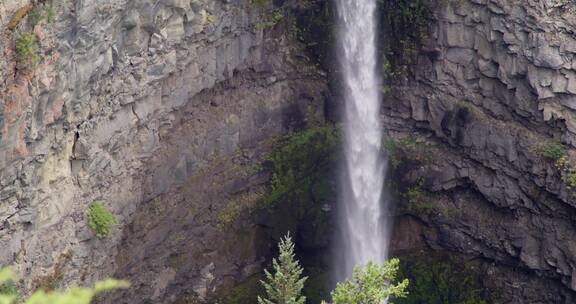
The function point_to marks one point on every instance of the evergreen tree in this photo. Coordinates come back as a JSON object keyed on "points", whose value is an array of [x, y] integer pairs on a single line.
{"points": [[371, 285], [285, 285]]}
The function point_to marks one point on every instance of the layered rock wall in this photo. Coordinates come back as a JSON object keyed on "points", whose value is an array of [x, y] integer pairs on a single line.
{"points": [[160, 108], [491, 88], [130, 100]]}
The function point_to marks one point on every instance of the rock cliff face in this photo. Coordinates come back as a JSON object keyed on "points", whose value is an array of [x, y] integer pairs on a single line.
{"points": [[161, 109], [131, 102], [488, 92]]}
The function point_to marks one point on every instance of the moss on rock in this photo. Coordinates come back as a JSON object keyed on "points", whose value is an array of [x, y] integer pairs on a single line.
{"points": [[405, 23], [245, 292], [317, 286], [440, 279]]}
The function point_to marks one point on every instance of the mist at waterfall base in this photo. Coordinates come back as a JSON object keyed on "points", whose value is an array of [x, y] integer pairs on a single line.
{"points": [[364, 228]]}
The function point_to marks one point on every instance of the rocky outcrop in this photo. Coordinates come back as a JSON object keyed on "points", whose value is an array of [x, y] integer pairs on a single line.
{"points": [[187, 231], [160, 109], [134, 103], [490, 88]]}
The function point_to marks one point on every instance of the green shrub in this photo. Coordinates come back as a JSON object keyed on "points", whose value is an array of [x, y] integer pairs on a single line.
{"points": [[569, 178], [408, 149], [245, 292], [407, 22], [8, 288], [372, 284], [299, 162], [100, 220], [439, 280], [393, 152], [552, 151], [301, 165], [318, 285], [28, 50], [559, 154], [76, 295], [418, 201], [415, 195]]}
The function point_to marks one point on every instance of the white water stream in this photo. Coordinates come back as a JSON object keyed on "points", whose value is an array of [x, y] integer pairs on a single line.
{"points": [[365, 227]]}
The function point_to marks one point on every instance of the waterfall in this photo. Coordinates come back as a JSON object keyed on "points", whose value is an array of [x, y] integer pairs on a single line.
{"points": [[365, 236]]}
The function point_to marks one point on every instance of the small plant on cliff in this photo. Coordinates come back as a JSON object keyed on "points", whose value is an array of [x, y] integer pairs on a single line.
{"points": [[286, 284], [393, 152], [559, 154], [418, 200], [76, 295], [552, 151], [408, 149], [371, 284], [100, 220], [569, 178], [28, 49], [40, 13]]}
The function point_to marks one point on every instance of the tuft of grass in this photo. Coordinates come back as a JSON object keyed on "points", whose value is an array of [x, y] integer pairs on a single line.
{"points": [[552, 151], [100, 220], [28, 50]]}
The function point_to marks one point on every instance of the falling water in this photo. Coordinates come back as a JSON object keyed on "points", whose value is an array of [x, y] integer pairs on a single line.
{"points": [[365, 230]]}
